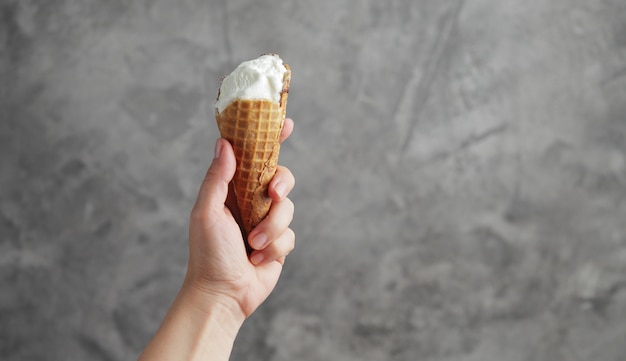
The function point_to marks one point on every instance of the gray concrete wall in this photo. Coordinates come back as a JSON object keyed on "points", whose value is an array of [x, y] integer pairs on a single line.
{"points": [[461, 170]]}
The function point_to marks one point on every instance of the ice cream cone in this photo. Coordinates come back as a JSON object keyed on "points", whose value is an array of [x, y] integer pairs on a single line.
{"points": [[254, 127]]}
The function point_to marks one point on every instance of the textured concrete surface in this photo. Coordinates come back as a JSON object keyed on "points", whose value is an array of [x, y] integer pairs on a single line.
{"points": [[461, 172]]}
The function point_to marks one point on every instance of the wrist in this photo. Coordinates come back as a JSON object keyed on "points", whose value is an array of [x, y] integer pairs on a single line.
{"points": [[213, 305], [212, 323], [196, 325]]}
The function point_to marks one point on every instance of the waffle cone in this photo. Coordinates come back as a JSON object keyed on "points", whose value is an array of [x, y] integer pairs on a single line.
{"points": [[253, 127]]}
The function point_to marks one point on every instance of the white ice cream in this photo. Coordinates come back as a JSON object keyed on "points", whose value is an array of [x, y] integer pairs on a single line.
{"points": [[261, 78]]}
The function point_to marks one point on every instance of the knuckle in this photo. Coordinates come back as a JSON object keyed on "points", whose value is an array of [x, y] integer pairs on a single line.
{"points": [[289, 176], [202, 215], [198, 214], [292, 239], [286, 175], [291, 207]]}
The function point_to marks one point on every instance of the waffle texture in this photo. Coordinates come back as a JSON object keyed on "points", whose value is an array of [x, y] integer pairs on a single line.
{"points": [[253, 127]]}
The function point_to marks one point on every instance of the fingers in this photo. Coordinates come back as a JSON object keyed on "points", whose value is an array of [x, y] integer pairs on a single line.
{"points": [[287, 129], [273, 225], [282, 183], [272, 239], [277, 250], [214, 188]]}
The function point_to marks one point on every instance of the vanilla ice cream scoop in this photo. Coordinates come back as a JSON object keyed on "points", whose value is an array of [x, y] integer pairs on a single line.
{"points": [[260, 78]]}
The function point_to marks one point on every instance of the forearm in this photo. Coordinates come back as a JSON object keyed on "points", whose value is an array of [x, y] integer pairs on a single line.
{"points": [[196, 327]]}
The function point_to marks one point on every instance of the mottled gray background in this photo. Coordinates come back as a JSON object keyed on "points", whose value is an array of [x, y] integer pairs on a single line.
{"points": [[461, 171]]}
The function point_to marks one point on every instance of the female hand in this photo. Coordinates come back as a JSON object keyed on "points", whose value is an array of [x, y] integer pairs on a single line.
{"points": [[219, 265]]}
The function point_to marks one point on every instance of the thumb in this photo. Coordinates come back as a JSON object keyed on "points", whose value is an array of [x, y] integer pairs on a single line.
{"points": [[214, 188]]}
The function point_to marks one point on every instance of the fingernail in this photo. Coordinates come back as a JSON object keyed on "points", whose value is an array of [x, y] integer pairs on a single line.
{"points": [[218, 148], [281, 189], [258, 241], [257, 258]]}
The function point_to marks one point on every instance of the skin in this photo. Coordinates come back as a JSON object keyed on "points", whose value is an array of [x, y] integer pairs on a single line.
{"points": [[223, 285]]}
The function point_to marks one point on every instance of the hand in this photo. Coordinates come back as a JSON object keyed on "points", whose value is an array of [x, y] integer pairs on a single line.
{"points": [[218, 263]]}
